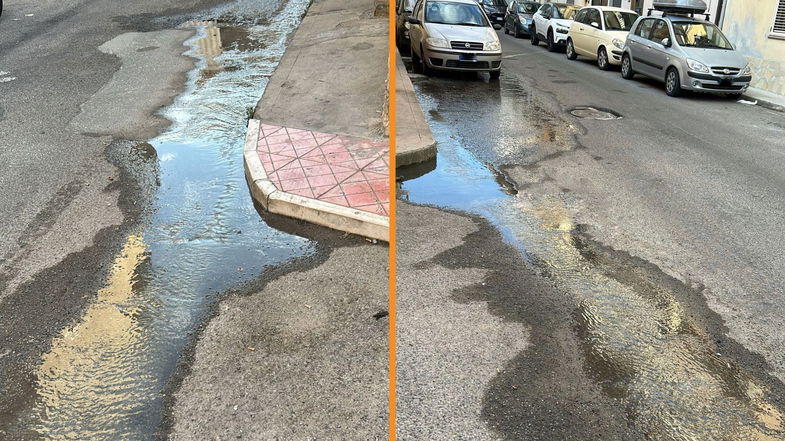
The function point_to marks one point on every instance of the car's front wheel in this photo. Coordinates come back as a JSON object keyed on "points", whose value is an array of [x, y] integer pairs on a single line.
{"points": [[516, 33], [571, 54], [672, 82], [602, 59], [734, 96], [416, 62], [426, 70], [495, 74], [533, 33], [550, 44], [626, 67], [506, 29]]}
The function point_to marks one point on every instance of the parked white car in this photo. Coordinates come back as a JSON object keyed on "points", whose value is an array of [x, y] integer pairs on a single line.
{"points": [[599, 32], [551, 23]]}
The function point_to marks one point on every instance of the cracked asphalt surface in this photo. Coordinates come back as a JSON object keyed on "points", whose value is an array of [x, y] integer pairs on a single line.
{"points": [[657, 230]]}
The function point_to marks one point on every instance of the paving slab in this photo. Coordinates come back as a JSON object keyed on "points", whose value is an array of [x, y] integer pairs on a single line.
{"points": [[337, 181], [414, 142]]}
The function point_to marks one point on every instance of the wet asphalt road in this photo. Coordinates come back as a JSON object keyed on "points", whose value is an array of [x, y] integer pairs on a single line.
{"points": [[95, 206], [660, 231]]}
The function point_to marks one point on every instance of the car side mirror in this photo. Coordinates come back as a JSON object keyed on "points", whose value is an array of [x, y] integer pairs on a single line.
{"points": [[667, 42], [595, 25], [414, 21]]}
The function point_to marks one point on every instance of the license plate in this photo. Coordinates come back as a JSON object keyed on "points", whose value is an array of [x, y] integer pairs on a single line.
{"points": [[499, 18], [463, 57]]}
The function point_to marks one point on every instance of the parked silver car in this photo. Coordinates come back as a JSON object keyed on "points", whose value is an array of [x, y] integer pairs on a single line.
{"points": [[687, 54], [453, 35]]}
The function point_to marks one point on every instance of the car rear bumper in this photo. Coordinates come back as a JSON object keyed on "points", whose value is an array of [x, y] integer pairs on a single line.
{"points": [[446, 59], [715, 83]]}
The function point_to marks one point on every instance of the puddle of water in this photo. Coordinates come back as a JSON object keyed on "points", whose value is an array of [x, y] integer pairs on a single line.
{"points": [[103, 378], [639, 343]]}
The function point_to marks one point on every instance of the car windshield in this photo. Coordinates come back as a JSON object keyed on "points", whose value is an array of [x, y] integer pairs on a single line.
{"points": [[455, 13], [528, 8], [619, 20], [567, 12], [704, 35]]}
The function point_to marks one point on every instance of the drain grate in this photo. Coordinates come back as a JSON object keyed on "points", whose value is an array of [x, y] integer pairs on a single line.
{"points": [[587, 112]]}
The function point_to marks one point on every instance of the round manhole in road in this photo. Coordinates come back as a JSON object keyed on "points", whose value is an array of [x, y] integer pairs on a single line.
{"points": [[588, 112]]}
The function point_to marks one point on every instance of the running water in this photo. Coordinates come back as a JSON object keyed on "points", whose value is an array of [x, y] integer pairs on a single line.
{"points": [[104, 377]]}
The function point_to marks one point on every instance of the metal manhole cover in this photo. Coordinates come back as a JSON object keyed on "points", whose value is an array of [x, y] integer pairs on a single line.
{"points": [[587, 112]]}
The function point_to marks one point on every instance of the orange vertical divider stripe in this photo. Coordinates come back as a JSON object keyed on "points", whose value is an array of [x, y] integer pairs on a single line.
{"points": [[392, 263]]}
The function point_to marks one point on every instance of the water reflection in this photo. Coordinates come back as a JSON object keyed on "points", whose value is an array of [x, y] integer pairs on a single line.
{"points": [[639, 343], [103, 378]]}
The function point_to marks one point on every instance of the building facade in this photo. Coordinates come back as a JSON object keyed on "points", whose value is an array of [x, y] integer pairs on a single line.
{"points": [[757, 29]]}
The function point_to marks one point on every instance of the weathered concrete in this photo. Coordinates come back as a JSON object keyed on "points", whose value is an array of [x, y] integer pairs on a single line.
{"points": [[414, 142], [303, 358], [322, 83]]}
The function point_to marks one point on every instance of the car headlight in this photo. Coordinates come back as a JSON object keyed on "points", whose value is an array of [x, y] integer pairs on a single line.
{"points": [[747, 70], [523, 19], [697, 66], [437, 42], [493, 46], [562, 30], [618, 43]]}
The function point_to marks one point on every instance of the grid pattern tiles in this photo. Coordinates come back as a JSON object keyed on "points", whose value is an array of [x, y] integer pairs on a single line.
{"points": [[347, 171]]}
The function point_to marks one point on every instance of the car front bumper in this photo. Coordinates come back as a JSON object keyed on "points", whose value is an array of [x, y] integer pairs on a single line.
{"points": [[447, 59], [559, 38], [615, 56], [710, 83]]}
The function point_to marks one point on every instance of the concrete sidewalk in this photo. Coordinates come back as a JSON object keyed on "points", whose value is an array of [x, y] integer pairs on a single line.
{"points": [[329, 93], [414, 142]]}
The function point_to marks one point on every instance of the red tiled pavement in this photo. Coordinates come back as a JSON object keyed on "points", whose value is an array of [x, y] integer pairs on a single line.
{"points": [[353, 172]]}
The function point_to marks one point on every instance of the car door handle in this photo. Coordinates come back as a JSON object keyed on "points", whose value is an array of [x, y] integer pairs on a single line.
{"points": [[581, 28]]}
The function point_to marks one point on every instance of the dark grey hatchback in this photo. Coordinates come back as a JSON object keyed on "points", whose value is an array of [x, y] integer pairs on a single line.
{"points": [[519, 17]]}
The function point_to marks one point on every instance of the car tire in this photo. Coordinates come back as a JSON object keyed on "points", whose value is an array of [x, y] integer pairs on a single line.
{"points": [[672, 82], [550, 44], [602, 59], [426, 70], [534, 38], [571, 54], [734, 96], [516, 33], [506, 29], [416, 62], [495, 74], [626, 67]]}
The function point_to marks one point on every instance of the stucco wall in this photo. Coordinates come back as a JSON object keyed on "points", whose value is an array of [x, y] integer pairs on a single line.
{"points": [[748, 29]]}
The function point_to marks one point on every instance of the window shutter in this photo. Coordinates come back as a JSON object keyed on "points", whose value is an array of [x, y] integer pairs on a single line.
{"points": [[779, 18]]}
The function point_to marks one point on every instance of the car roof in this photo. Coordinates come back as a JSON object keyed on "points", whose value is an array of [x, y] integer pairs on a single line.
{"points": [[679, 18], [471, 2], [610, 8]]}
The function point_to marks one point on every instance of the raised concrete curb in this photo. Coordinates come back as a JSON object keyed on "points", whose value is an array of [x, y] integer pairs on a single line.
{"points": [[277, 201], [765, 99], [414, 141]]}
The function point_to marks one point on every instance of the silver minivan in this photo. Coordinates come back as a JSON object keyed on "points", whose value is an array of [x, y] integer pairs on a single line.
{"points": [[686, 53]]}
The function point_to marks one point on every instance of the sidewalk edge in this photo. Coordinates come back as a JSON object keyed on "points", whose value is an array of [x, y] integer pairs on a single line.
{"points": [[276, 201], [410, 150]]}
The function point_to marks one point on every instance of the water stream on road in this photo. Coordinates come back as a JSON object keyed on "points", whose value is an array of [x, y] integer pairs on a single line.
{"points": [[639, 343], [103, 378]]}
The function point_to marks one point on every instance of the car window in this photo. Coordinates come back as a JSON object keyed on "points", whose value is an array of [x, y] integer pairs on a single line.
{"points": [[580, 17], [455, 13], [545, 10], [511, 7], [566, 12], [406, 5], [659, 32], [644, 29], [704, 35], [619, 20], [593, 17], [527, 8]]}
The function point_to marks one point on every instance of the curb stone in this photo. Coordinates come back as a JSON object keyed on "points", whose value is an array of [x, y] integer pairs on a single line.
{"points": [[322, 213]]}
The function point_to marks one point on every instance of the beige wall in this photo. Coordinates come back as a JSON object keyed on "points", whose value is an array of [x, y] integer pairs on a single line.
{"points": [[748, 29]]}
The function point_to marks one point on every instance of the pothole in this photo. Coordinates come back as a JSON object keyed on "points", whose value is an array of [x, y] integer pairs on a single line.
{"points": [[587, 112]]}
